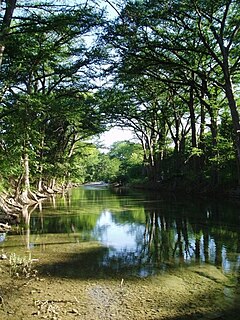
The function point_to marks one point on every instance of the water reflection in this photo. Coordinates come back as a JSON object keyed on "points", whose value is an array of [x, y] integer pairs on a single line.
{"points": [[167, 239], [119, 236], [140, 233]]}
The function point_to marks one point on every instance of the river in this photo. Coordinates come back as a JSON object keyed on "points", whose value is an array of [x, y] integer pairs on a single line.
{"points": [[135, 234]]}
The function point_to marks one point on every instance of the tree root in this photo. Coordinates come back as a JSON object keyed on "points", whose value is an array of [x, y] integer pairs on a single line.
{"points": [[12, 207], [4, 227]]}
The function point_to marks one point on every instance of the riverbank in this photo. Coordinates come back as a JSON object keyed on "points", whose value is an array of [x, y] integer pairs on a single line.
{"points": [[13, 209], [193, 293], [196, 189]]}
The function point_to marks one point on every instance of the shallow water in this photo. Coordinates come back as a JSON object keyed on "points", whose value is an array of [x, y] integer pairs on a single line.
{"points": [[97, 233], [139, 233]]}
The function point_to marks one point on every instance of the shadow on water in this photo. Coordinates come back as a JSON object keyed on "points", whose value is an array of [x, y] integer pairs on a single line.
{"points": [[86, 264], [99, 263], [92, 264]]}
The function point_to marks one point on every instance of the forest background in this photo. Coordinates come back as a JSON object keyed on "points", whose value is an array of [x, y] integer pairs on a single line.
{"points": [[168, 71]]}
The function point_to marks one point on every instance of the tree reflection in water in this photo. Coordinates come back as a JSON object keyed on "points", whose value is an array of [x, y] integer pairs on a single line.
{"points": [[143, 233], [176, 235]]}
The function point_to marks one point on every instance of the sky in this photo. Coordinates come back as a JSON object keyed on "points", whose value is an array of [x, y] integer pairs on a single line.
{"points": [[113, 135]]}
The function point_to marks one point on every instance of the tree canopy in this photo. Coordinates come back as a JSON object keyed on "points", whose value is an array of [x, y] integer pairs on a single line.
{"points": [[168, 71], [178, 61]]}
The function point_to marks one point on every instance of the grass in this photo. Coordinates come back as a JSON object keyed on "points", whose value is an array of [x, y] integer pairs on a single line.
{"points": [[21, 266]]}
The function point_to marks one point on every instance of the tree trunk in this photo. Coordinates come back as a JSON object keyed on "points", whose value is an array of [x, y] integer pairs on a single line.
{"points": [[40, 184], [26, 181], [18, 187], [202, 143], [6, 22], [235, 120], [40, 167], [215, 153], [53, 183], [2, 48], [192, 118], [193, 128], [26, 196]]}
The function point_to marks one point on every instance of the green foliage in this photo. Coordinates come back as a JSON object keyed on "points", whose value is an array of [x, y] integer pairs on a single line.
{"points": [[108, 168], [121, 164], [46, 106], [130, 157], [173, 70], [176, 62], [196, 152]]}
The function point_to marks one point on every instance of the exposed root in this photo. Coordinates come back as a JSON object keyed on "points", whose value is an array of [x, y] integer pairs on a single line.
{"points": [[1, 301], [4, 227], [12, 207]]}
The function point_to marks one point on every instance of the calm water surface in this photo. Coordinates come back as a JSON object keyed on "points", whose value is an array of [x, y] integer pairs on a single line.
{"points": [[139, 233]]}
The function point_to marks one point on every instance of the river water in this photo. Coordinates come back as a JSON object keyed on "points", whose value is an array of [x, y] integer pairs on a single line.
{"points": [[137, 234], [142, 232]]}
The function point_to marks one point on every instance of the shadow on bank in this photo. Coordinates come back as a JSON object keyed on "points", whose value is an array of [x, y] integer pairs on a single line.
{"points": [[95, 264]]}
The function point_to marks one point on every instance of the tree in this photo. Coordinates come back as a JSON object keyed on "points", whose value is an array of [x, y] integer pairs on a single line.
{"points": [[5, 24], [45, 82], [191, 45], [130, 157]]}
